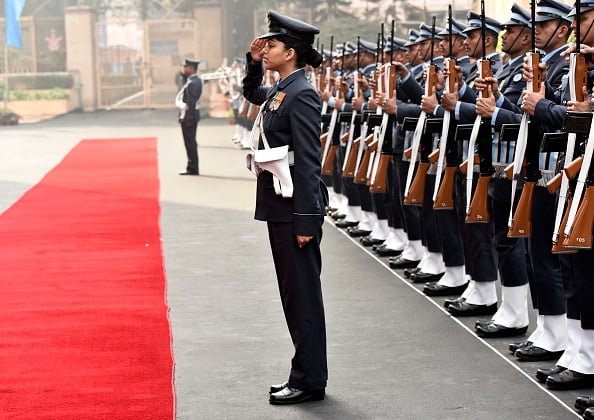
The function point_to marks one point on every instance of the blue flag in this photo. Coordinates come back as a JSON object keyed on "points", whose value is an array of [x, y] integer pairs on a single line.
{"points": [[12, 14]]}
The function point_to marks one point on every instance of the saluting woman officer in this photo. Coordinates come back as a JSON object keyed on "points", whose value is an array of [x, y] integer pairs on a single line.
{"points": [[291, 116]]}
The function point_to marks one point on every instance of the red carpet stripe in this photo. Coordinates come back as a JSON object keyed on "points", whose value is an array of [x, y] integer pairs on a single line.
{"points": [[85, 332]]}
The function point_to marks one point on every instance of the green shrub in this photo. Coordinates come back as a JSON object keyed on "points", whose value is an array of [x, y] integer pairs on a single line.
{"points": [[41, 81], [35, 95]]}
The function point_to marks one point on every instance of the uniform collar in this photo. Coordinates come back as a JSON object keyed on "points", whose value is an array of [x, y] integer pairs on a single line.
{"points": [[287, 80]]}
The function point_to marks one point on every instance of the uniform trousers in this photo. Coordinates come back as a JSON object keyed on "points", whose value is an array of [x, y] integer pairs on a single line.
{"points": [[452, 248], [298, 274], [412, 214], [546, 281], [189, 134], [479, 254], [583, 268], [394, 200], [511, 253], [431, 237]]}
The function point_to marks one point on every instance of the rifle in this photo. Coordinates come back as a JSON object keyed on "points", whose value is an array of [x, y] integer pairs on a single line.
{"points": [[350, 157], [414, 193], [379, 177], [328, 162], [578, 78], [365, 168], [477, 207], [578, 228], [329, 150], [443, 194], [519, 223]]}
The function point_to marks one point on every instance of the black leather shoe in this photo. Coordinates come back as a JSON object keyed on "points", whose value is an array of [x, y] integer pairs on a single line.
{"points": [[401, 262], [343, 224], [543, 373], [383, 251], [434, 289], [513, 347], [582, 403], [355, 232], [536, 354], [189, 173], [279, 387], [491, 330], [337, 216], [569, 379], [589, 414], [422, 277], [451, 301], [369, 241], [410, 271], [469, 309], [294, 396]]}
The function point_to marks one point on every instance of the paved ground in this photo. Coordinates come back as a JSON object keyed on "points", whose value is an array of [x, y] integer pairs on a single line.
{"points": [[393, 353]]}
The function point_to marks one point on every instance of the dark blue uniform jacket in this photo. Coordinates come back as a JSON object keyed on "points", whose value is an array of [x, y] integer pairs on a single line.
{"points": [[296, 122]]}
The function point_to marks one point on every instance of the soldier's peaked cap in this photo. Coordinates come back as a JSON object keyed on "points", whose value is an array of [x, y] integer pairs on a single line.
{"points": [[519, 17], [190, 62], [457, 29], [552, 10], [585, 5], [413, 35], [474, 23], [367, 46], [425, 32], [280, 25]]}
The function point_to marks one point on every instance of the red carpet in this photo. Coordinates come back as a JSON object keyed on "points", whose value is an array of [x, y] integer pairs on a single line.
{"points": [[84, 331]]}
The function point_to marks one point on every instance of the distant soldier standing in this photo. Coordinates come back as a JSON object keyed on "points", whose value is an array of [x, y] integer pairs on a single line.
{"points": [[188, 100]]}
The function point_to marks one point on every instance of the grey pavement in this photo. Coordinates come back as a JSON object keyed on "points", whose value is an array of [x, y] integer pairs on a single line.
{"points": [[392, 352]]}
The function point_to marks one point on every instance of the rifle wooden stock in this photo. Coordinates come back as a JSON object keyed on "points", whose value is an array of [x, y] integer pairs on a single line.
{"points": [[244, 109], [253, 112], [479, 208], [452, 74], [555, 183], [464, 165], [521, 222], [434, 156], [351, 159], [581, 76], [486, 72], [558, 247], [581, 231], [416, 193], [408, 153], [323, 140], [328, 164], [381, 177], [361, 175], [536, 72], [344, 137], [574, 167], [509, 170], [445, 194]]}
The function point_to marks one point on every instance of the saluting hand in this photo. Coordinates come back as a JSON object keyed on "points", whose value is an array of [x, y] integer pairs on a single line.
{"points": [[257, 49]]}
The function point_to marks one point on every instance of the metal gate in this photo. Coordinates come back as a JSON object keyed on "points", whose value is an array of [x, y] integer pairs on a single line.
{"points": [[138, 62]]}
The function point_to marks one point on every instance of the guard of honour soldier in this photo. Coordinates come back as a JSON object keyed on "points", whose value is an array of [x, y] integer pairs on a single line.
{"points": [[463, 169]]}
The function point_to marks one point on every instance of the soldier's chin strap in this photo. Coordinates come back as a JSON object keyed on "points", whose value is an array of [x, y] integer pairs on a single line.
{"points": [[516, 39], [584, 36], [552, 35]]}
